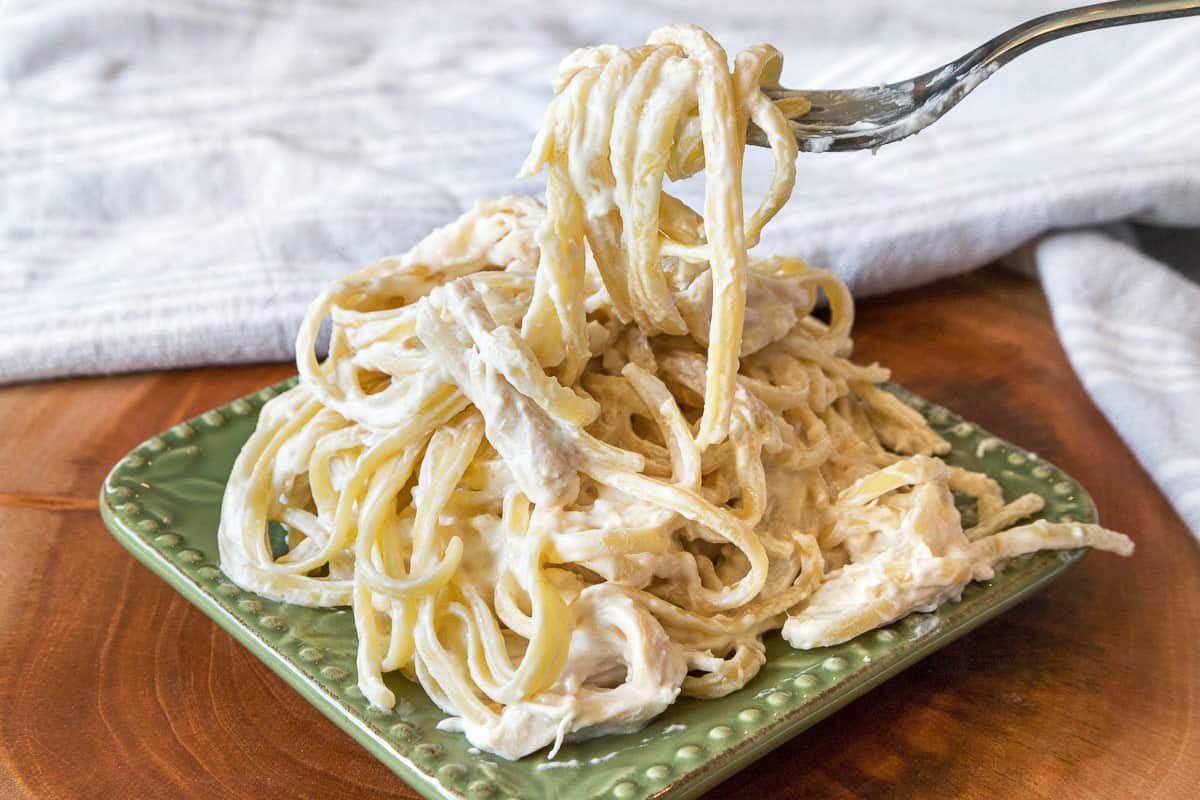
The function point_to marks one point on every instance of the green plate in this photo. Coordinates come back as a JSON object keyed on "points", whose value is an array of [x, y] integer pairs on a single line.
{"points": [[162, 502]]}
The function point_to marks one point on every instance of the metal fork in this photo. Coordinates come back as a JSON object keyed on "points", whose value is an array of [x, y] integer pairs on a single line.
{"points": [[872, 116]]}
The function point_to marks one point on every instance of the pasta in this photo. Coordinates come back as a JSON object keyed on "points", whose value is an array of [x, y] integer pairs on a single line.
{"points": [[567, 462]]}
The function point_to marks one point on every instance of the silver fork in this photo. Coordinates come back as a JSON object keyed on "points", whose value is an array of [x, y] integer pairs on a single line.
{"points": [[872, 116]]}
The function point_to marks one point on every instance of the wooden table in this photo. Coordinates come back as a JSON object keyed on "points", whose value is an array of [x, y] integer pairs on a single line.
{"points": [[113, 686]]}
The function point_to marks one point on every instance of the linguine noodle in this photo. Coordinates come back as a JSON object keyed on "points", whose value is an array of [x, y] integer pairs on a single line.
{"points": [[568, 462]]}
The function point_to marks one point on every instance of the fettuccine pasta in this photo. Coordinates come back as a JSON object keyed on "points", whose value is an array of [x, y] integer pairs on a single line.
{"points": [[567, 462]]}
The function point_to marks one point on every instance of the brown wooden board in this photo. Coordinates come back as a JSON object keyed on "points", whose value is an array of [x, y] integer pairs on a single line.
{"points": [[113, 686]]}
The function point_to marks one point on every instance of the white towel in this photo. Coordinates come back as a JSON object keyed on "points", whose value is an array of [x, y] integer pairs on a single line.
{"points": [[1131, 328], [179, 178]]}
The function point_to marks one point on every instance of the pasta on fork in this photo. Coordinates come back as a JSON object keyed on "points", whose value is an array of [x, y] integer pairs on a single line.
{"points": [[566, 462]]}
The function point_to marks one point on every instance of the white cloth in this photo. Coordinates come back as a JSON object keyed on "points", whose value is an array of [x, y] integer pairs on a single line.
{"points": [[178, 178], [1131, 328]]}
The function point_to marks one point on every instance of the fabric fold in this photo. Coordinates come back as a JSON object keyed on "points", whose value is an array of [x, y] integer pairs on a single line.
{"points": [[1131, 328]]}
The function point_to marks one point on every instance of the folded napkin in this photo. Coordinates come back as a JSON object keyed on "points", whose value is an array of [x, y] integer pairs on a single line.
{"points": [[179, 178], [1131, 328]]}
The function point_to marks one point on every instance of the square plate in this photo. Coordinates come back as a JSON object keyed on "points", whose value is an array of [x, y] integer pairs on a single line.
{"points": [[162, 502]]}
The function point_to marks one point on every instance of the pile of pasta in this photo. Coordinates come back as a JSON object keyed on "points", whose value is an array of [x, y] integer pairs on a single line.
{"points": [[566, 462]]}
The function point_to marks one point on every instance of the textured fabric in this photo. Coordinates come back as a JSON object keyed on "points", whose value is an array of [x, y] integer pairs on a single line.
{"points": [[1131, 328], [178, 178]]}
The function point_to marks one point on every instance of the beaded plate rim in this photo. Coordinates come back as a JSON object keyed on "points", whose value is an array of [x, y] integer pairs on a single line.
{"points": [[742, 728]]}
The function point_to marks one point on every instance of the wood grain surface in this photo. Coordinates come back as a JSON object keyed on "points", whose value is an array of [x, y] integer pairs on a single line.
{"points": [[113, 686]]}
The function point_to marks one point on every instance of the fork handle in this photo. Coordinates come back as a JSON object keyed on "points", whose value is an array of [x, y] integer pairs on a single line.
{"points": [[1049, 27]]}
